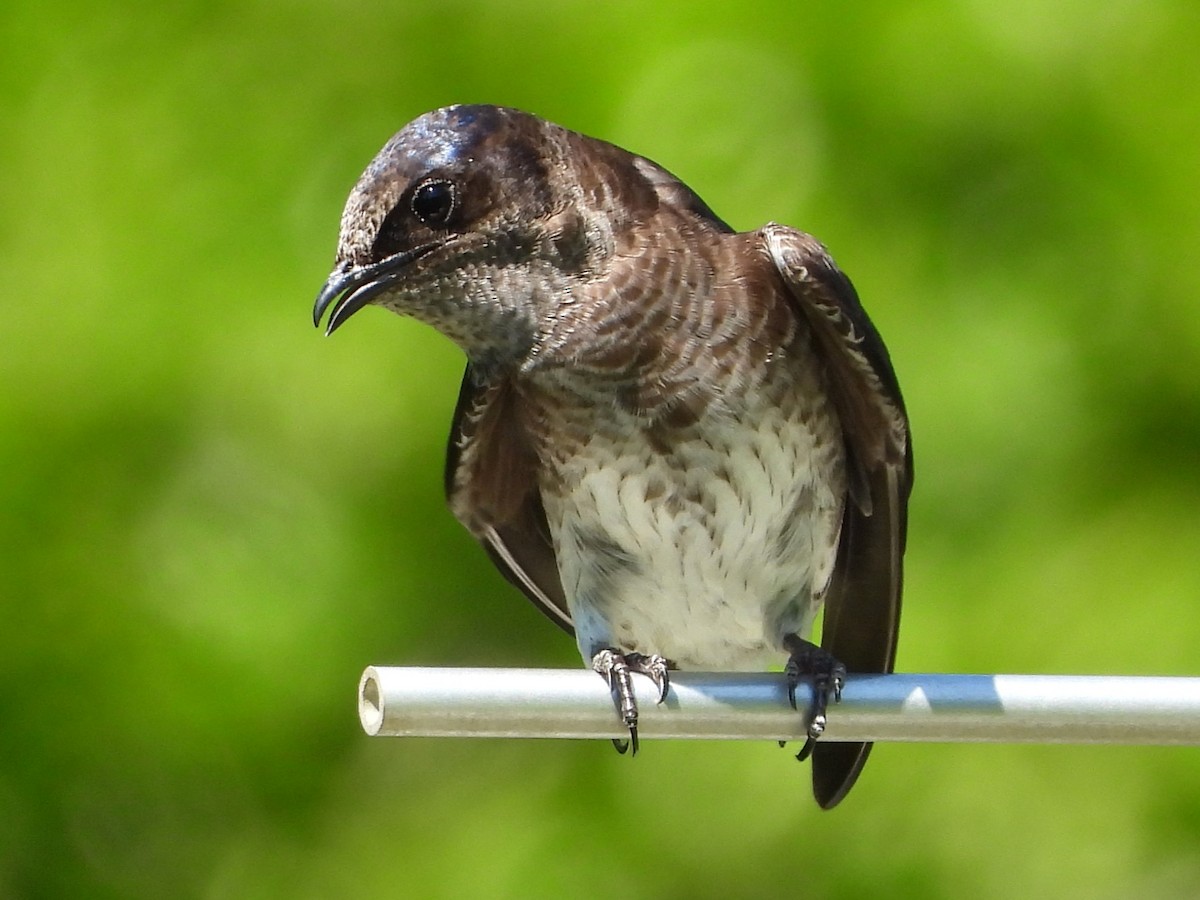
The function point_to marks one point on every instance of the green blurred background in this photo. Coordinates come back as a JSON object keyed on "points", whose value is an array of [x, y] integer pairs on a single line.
{"points": [[213, 518]]}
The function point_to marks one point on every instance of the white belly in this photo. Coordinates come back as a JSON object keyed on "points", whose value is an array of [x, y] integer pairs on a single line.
{"points": [[707, 554]]}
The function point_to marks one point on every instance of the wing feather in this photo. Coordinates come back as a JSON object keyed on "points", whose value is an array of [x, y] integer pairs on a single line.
{"points": [[491, 486], [862, 603]]}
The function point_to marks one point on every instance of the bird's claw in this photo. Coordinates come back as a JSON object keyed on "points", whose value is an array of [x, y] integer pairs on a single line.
{"points": [[616, 668], [828, 678], [654, 667]]}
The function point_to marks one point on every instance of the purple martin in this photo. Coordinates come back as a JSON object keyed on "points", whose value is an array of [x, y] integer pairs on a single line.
{"points": [[680, 441]]}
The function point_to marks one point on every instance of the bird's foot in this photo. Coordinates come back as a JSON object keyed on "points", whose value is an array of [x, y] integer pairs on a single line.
{"points": [[828, 677], [617, 669]]}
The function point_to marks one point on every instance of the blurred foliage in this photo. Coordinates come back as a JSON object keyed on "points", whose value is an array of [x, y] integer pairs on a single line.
{"points": [[213, 518]]}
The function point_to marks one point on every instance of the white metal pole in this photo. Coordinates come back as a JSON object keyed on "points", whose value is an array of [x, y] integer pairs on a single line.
{"points": [[559, 703]]}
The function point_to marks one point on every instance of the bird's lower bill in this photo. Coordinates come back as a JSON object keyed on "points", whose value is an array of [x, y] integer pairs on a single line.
{"points": [[350, 288]]}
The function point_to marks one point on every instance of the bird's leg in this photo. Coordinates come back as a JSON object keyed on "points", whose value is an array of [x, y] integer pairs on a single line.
{"points": [[616, 668], [828, 676]]}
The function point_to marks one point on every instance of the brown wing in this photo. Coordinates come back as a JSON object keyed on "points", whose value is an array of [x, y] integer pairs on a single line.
{"points": [[862, 604], [491, 487]]}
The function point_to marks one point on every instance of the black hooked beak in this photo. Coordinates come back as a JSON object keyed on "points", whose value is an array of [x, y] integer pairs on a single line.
{"points": [[358, 286]]}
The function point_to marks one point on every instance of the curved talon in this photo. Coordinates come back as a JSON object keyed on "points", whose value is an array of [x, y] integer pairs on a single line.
{"points": [[654, 667], [806, 750], [792, 672]]}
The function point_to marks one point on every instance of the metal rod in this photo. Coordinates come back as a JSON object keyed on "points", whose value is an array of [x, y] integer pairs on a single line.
{"points": [[559, 703]]}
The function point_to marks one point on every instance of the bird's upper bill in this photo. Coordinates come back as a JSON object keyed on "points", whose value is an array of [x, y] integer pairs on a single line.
{"points": [[349, 288]]}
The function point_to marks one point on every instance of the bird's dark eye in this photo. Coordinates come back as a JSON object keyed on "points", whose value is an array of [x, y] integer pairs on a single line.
{"points": [[433, 202]]}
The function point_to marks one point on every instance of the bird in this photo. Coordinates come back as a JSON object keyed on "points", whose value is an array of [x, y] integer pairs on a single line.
{"points": [[680, 441]]}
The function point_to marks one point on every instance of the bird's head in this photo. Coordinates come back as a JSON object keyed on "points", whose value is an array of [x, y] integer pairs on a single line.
{"points": [[480, 221]]}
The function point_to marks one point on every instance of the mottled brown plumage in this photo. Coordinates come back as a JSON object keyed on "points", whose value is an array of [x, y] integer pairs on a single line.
{"points": [[679, 441]]}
